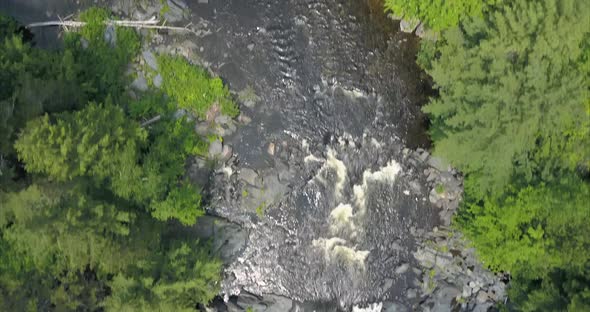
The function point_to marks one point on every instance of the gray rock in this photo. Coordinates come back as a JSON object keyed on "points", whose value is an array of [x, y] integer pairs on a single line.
{"points": [[277, 303], [215, 148], [229, 239], [389, 306], [150, 59], [424, 156], [110, 35], [408, 26], [222, 119], [226, 153], [438, 163], [244, 119], [180, 3], [411, 293], [482, 297], [140, 83], [420, 31], [444, 298], [248, 175], [179, 113], [402, 268], [174, 13], [158, 80], [247, 300]]}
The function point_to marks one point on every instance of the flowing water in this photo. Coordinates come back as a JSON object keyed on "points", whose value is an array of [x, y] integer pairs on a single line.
{"points": [[332, 202], [339, 101]]}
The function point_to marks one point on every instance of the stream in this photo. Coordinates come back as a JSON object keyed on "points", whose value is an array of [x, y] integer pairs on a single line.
{"points": [[328, 195]]}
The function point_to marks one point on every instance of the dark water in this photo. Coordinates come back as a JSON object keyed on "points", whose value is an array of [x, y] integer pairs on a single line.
{"points": [[340, 89], [340, 98]]}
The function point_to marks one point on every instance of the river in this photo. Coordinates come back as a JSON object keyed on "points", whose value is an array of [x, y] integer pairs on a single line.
{"points": [[323, 179]]}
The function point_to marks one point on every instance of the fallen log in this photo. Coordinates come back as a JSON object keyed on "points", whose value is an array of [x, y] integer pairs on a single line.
{"points": [[152, 23]]}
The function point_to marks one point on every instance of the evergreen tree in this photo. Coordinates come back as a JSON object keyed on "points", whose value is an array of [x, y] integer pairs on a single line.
{"points": [[511, 87]]}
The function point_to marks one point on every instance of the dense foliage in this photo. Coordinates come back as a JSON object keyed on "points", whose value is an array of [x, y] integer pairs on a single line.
{"points": [[438, 14], [513, 113], [85, 188]]}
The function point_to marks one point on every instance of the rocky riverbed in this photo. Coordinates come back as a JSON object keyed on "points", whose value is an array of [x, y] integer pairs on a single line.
{"points": [[322, 198]]}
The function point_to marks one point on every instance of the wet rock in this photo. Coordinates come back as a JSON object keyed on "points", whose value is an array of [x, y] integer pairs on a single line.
{"points": [[140, 83], [150, 59]]}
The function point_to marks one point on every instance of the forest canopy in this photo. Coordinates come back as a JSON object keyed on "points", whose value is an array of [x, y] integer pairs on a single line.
{"points": [[88, 191], [513, 114]]}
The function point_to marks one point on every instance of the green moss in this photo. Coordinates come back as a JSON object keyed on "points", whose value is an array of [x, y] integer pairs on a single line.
{"points": [[165, 7], [439, 189], [193, 89], [245, 193], [260, 210]]}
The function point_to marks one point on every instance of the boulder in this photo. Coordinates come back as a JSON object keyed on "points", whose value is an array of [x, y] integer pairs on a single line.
{"points": [[140, 83], [215, 149], [150, 59]]}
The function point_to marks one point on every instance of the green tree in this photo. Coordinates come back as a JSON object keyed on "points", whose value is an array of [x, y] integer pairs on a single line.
{"points": [[511, 86], [57, 232], [185, 277], [539, 235], [97, 141]]}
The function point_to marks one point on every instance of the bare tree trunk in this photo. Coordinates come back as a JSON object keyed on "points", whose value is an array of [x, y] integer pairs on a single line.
{"points": [[152, 23]]}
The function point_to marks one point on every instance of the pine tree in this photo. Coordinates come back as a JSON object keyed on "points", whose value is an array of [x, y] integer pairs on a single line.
{"points": [[511, 87]]}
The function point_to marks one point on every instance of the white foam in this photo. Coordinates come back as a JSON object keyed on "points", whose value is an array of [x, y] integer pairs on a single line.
{"points": [[385, 174], [340, 169], [351, 255], [311, 157], [341, 218], [334, 248], [375, 143]]}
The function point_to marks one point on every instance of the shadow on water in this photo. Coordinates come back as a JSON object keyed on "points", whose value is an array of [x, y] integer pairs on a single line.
{"points": [[382, 34]]}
